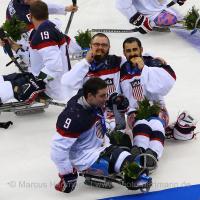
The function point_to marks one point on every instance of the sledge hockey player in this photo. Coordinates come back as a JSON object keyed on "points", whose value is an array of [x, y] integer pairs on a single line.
{"points": [[148, 14], [21, 10], [97, 63], [78, 144], [48, 62], [146, 77]]}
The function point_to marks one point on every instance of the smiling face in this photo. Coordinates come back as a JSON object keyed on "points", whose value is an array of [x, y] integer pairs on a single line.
{"points": [[132, 50], [98, 99], [100, 46]]}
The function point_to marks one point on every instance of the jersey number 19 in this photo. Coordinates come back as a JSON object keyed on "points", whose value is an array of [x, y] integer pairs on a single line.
{"points": [[44, 35]]}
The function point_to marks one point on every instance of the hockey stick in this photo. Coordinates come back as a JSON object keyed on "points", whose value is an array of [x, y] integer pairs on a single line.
{"points": [[56, 103], [119, 118], [124, 30], [171, 4], [105, 30], [49, 101], [70, 18], [9, 63], [157, 29], [8, 49], [66, 32]]}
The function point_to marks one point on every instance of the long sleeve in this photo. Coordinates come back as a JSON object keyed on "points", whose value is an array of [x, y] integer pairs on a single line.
{"points": [[60, 153], [154, 81], [158, 80], [75, 77], [55, 8], [52, 61], [126, 7], [67, 134]]}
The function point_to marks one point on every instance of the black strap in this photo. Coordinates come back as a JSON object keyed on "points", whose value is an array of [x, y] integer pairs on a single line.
{"points": [[67, 54], [68, 59], [5, 125]]}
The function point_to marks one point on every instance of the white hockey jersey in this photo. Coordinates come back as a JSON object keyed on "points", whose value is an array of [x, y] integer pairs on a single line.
{"points": [[48, 54], [79, 138], [108, 69], [154, 81]]}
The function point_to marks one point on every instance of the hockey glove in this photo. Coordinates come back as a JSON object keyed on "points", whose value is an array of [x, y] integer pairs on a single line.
{"points": [[29, 91], [67, 183], [142, 22], [5, 125], [181, 2], [118, 99], [184, 127]]}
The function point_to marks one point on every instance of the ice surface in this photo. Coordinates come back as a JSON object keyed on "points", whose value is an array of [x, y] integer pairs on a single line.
{"points": [[26, 171]]}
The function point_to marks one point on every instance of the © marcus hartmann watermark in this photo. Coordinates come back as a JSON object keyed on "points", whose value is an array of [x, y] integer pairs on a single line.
{"points": [[23, 184], [31, 185], [162, 185]]}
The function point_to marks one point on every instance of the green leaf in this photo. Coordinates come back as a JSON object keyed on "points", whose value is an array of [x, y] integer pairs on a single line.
{"points": [[191, 18], [116, 136], [132, 170], [84, 38], [14, 28], [145, 110]]}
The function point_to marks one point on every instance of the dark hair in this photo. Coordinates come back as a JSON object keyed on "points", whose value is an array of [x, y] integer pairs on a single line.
{"points": [[100, 35], [93, 85], [132, 39], [39, 10]]}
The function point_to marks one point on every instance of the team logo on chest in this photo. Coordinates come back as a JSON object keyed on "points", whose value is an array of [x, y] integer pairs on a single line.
{"points": [[137, 89], [110, 85], [99, 131]]}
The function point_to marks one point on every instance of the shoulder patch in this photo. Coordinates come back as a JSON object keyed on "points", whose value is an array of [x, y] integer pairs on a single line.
{"points": [[74, 120], [47, 35]]}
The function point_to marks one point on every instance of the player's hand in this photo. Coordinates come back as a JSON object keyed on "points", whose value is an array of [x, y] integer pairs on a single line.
{"points": [[161, 60], [67, 182], [90, 56], [119, 100], [137, 62], [71, 8], [13, 44], [2, 43]]}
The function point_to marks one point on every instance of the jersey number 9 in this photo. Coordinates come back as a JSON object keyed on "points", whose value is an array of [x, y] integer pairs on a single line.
{"points": [[67, 123]]}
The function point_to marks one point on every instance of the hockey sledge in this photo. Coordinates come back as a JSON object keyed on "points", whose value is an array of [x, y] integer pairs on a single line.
{"points": [[106, 182], [23, 108], [142, 160]]}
